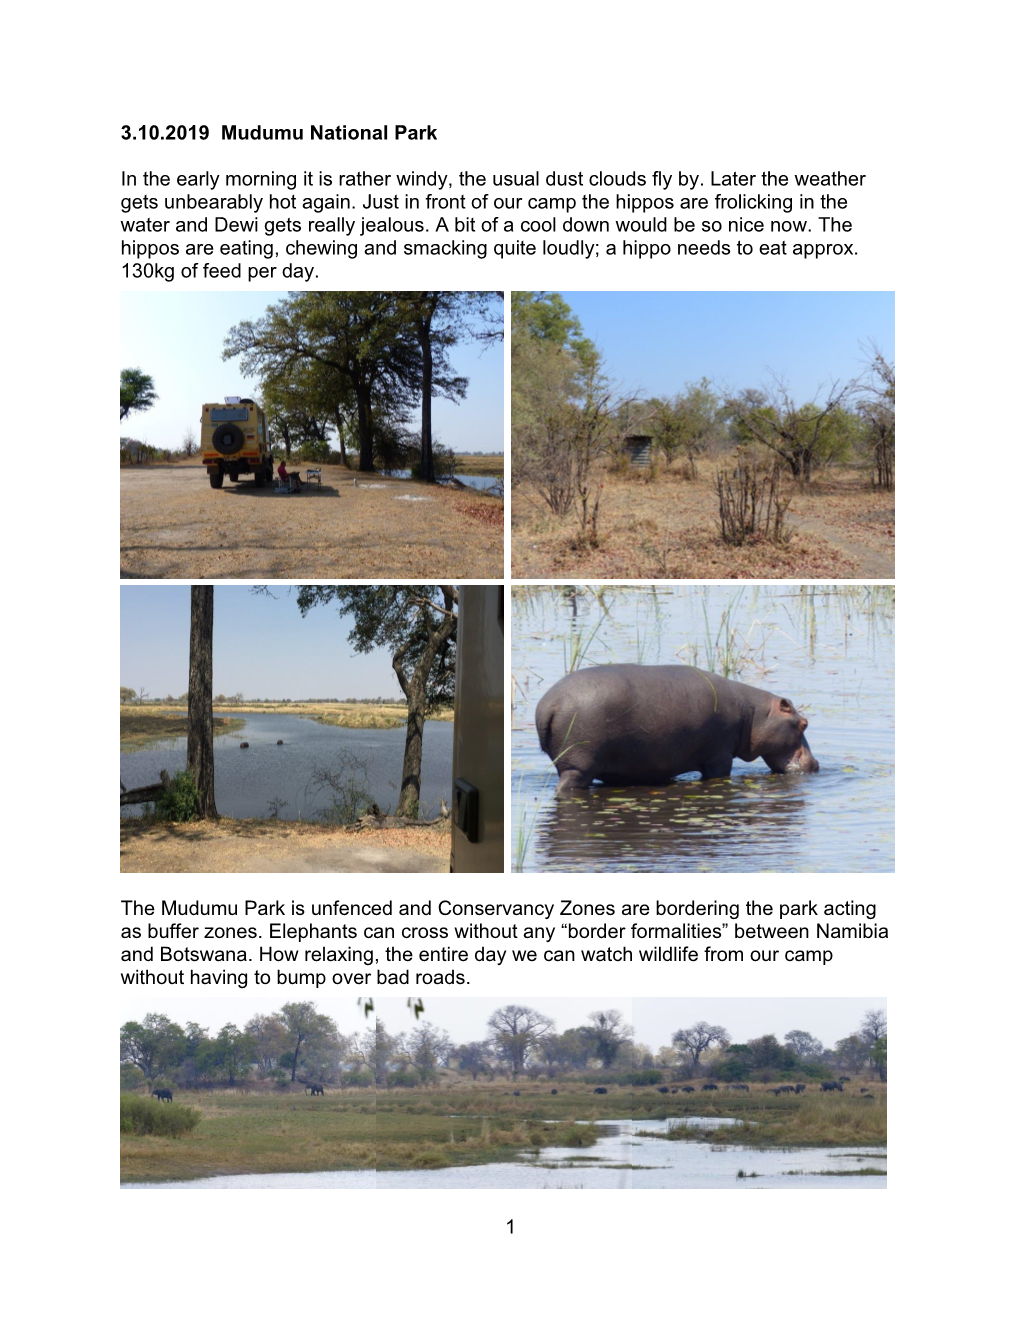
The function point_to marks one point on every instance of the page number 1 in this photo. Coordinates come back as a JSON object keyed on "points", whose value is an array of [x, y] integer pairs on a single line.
{"points": [[510, 1225]]}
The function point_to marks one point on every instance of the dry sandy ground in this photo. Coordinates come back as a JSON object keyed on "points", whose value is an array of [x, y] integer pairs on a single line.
{"points": [[668, 528], [280, 847], [173, 524]]}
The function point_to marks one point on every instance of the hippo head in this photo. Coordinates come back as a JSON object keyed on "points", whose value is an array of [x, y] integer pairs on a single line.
{"points": [[780, 740]]}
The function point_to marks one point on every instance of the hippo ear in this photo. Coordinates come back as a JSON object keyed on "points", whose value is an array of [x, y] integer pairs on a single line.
{"points": [[785, 705]]}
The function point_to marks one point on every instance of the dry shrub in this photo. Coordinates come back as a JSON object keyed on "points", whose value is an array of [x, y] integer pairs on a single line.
{"points": [[752, 505]]}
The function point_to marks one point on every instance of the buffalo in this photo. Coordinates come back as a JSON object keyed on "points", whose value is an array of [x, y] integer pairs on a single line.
{"points": [[832, 1086], [163, 1094], [846, 1079], [600, 1090], [687, 1090], [663, 1090], [554, 1091], [710, 1086], [800, 1087], [315, 1088], [517, 1093], [674, 1090]]}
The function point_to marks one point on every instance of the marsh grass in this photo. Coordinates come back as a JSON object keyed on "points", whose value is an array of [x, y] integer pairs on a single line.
{"points": [[463, 1124], [776, 1121]]}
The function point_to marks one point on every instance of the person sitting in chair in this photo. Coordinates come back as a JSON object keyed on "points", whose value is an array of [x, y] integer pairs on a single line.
{"points": [[288, 478]]}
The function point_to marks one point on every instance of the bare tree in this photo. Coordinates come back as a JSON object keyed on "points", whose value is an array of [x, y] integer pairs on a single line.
{"points": [[693, 1041], [877, 411], [803, 435], [513, 1033]]}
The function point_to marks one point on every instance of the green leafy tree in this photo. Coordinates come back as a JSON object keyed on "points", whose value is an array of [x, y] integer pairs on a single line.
{"points": [[688, 425], [153, 1045], [768, 1055], [127, 694], [303, 1024], [475, 1058], [137, 392], [360, 337], [418, 626], [606, 1034], [547, 318]]}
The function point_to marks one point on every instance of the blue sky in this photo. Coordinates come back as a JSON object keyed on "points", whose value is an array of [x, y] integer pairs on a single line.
{"points": [[261, 646], [177, 339], [654, 343]]}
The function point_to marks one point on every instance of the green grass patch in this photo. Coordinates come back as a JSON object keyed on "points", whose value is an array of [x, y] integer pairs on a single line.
{"points": [[141, 1116]]}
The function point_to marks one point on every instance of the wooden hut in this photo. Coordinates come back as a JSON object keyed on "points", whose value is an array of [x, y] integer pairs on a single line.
{"points": [[639, 447]]}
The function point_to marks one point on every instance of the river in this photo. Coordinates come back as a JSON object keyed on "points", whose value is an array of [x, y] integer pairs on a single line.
{"points": [[250, 781]]}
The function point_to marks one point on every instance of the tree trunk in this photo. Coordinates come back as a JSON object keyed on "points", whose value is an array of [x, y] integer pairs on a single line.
{"points": [[365, 461], [410, 784], [424, 328], [200, 707], [338, 419]]}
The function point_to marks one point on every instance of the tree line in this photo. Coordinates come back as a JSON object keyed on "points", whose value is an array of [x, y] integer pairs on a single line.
{"points": [[570, 418], [355, 365], [298, 1044]]}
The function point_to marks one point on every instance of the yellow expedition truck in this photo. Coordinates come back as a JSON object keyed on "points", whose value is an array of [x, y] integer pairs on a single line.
{"points": [[235, 442]]}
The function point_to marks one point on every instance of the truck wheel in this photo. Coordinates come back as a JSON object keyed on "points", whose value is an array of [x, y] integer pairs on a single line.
{"points": [[215, 479], [260, 476], [228, 439]]}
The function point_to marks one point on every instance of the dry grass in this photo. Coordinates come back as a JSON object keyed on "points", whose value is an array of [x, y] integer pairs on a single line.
{"points": [[658, 525], [480, 465], [165, 721], [174, 525]]}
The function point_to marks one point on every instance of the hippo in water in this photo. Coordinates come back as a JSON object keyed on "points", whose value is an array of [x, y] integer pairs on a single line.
{"points": [[646, 724]]}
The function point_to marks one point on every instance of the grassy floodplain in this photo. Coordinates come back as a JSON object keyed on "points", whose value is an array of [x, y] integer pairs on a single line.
{"points": [[480, 465], [140, 726], [275, 1131], [143, 727]]}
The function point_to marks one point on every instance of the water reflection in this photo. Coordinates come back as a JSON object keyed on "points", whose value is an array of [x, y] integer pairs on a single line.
{"points": [[622, 1159]]}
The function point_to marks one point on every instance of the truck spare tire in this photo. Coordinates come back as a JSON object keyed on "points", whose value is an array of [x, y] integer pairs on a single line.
{"points": [[228, 439]]}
